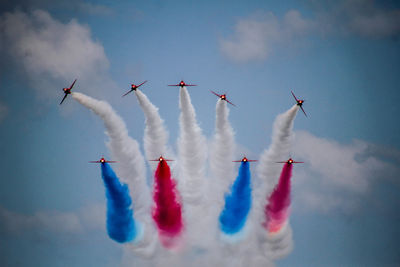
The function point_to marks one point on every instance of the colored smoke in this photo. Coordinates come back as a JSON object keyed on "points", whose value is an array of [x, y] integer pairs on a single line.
{"points": [[277, 210], [120, 224], [167, 212], [238, 202], [131, 167], [276, 245]]}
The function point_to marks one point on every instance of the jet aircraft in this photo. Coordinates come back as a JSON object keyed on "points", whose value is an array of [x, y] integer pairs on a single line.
{"points": [[223, 97], [182, 84], [102, 160], [299, 103], [134, 87], [67, 91], [161, 159], [244, 159], [289, 161]]}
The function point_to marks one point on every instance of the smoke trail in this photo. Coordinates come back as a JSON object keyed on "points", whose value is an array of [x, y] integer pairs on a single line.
{"points": [[222, 156], [237, 203], [192, 152], [268, 173], [167, 209], [131, 165], [120, 224], [155, 134], [277, 210]]}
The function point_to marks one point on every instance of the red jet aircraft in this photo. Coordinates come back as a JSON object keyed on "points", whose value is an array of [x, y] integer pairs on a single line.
{"points": [[102, 160], [289, 161], [182, 84], [134, 87], [299, 103], [244, 159], [160, 159], [67, 91], [223, 97]]}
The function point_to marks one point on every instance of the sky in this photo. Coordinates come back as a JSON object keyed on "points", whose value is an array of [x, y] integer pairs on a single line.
{"points": [[342, 57]]}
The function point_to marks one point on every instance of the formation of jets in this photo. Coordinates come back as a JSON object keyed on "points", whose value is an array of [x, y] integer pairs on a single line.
{"points": [[300, 102]]}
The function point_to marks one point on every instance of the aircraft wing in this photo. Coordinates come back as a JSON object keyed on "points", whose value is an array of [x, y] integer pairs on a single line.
{"points": [[141, 84], [127, 93], [190, 84], [303, 111], [294, 96], [173, 85], [230, 102], [65, 96], [215, 93], [72, 85]]}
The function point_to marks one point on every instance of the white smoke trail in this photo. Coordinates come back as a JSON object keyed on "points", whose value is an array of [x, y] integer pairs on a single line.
{"points": [[131, 167], [192, 148], [277, 245], [192, 152], [155, 133], [222, 155]]}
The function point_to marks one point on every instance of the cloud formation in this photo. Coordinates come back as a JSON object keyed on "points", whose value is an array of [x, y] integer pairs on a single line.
{"points": [[255, 37], [364, 18], [337, 176], [53, 53], [87, 218]]}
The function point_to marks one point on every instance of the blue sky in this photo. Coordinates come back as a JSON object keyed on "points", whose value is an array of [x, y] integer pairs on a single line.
{"points": [[342, 57]]}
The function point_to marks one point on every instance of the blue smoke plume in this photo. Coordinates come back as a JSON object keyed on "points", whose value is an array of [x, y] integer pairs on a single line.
{"points": [[237, 203], [120, 224]]}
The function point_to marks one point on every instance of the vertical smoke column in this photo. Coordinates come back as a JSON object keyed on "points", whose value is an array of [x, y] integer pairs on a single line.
{"points": [[277, 210], [130, 165], [192, 148], [222, 156], [192, 152], [155, 134], [238, 202], [167, 208], [120, 224], [277, 245]]}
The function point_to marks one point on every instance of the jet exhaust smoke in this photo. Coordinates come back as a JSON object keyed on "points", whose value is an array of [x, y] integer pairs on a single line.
{"points": [[277, 210], [222, 156], [155, 133], [131, 167], [237, 203], [167, 211], [227, 206], [120, 223], [192, 152], [277, 245]]}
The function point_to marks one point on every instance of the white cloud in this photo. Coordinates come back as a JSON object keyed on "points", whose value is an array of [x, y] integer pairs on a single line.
{"points": [[87, 218], [52, 53], [336, 176], [255, 37]]}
